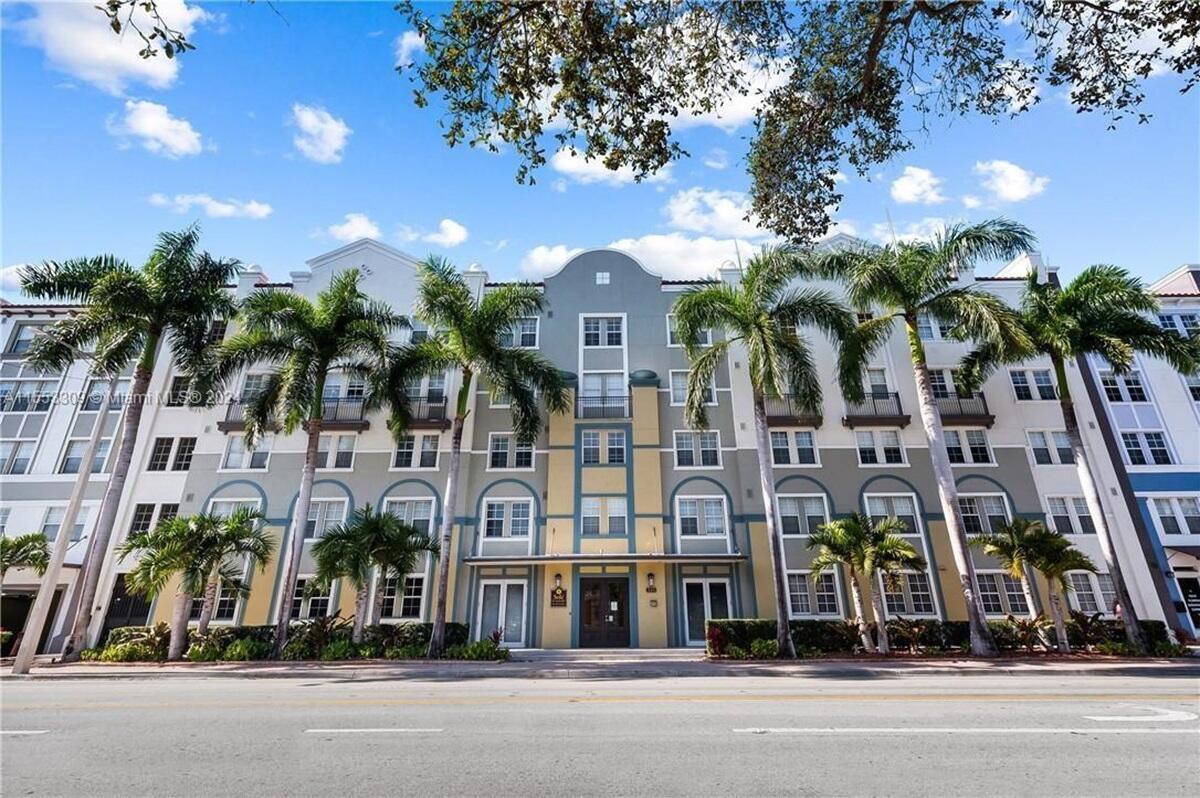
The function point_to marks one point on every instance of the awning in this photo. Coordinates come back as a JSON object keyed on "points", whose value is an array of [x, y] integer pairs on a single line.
{"points": [[604, 559]]}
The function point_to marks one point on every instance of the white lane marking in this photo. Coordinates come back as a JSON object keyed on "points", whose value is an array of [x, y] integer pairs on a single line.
{"points": [[371, 731], [1159, 714], [24, 731], [948, 730]]}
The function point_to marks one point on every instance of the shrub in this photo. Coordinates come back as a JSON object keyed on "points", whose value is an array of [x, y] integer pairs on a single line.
{"points": [[308, 639], [134, 651], [1116, 649], [412, 633], [202, 652], [736, 652], [1028, 632], [823, 636], [405, 652], [714, 640], [339, 650], [764, 649], [1003, 634], [246, 648], [1169, 649], [157, 639], [907, 632], [481, 650], [91, 654], [370, 650]]}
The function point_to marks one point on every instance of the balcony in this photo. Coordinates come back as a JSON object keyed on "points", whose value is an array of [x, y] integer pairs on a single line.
{"points": [[428, 412], [787, 411], [336, 414], [876, 410], [967, 411], [614, 406]]}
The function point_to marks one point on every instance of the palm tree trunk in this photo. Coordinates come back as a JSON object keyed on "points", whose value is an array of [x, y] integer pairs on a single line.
{"points": [[856, 597], [1027, 589], [377, 601], [209, 603], [1060, 624], [982, 644], [97, 550], [437, 636], [296, 540], [360, 612], [762, 443], [1091, 495], [880, 622], [179, 625]]}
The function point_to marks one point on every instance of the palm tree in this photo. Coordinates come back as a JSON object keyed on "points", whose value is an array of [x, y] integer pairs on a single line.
{"points": [[127, 316], [172, 548], [467, 334], [24, 551], [1017, 545], [1102, 312], [303, 342], [237, 544], [1055, 559], [763, 315], [370, 541], [907, 282], [868, 549]]}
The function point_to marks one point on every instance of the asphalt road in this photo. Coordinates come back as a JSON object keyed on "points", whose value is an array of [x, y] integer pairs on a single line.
{"points": [[947, 735]]}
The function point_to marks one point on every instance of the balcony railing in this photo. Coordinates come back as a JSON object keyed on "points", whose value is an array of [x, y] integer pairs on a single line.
{"points": [[788, 411], [970, 409], [335, 414], [612, 406], [876, 408], [428, 412]]}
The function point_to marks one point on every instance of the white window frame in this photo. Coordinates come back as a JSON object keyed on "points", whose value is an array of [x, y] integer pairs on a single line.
{"points": [[1121, 383], [603, 319], [1006, 604], [82, 522], [879, 448], [331, 453], [1097, 594], [985, 519], [1146, 450], [1077, 528], [801, 496], [835, 573], [398, 599], [1052, 447], [506, 529], [672, 335], [17, 443], [306, 601], [504, 583], [103, 453], [683, 374], [700, 499], [906, 590], [696, 450], [1174, 500], [603, 278], [418, 439], [793, 449], [323, 519], [919, 532], [705, 581], [248, 454], [511, 457], [1035, 394], [963, 434]]}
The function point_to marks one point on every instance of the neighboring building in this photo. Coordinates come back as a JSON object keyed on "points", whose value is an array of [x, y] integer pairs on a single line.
{"points": [[647, 526]]}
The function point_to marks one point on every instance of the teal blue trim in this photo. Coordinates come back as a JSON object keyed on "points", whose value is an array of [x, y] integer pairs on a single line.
{"points": [[803, 478], [539, 521], [576, 608], [437, 497], [1012, 505], [577, 530], [667, 519], [262, 494]]}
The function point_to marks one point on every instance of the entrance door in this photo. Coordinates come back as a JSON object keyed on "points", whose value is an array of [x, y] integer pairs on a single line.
{"points": [[604, 613], [124, 609], [1190, 588], [502, 608], [705, 599]]}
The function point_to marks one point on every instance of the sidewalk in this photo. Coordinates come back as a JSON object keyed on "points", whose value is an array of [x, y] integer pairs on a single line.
{"points": [[620, 664]]}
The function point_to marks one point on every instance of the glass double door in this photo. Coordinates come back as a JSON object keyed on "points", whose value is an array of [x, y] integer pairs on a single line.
{"points": [[604, 613], [704, 599], [502, 608]]}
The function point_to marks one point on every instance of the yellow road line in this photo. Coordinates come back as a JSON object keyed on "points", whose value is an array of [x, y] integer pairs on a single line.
{"points": [[620, 699]]}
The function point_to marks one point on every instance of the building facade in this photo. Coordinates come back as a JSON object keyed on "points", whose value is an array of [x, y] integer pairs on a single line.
{"points": [[620, 525]]}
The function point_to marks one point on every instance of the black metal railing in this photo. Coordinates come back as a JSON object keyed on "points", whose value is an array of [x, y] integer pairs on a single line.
{"points": [[876, 404], [342, 409], [427, 408], [954, 405], [611, 406], [790, 407]]}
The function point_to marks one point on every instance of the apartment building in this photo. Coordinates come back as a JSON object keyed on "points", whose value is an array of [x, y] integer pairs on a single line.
{"points": [[620, 525]]}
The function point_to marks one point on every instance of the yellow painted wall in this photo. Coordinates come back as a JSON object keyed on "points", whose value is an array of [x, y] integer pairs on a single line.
{"points": [[346, 597], [164, 606], [760, 562], [652, 620], [955, 606], [602, 545], [560, 482], [601, 480], [645, 414], [262, 586], [556, 621], [559, 536], [562, 426], [649, 535]]}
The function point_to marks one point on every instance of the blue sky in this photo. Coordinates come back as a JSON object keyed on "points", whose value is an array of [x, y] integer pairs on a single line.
{"points": [[283, 137]]}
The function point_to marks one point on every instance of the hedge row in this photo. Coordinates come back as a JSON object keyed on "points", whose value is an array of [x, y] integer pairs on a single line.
{"points": [[838, 636]]}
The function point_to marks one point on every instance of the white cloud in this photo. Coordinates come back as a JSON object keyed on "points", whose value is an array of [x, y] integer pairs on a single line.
{"points": [[213, 208], [585, 171], [913, 231], [449, 234], [77, 40], [10, 280], [677, 256], [839, 177], [1009, 182], [356, 226], [717, 159], [156, 130], [407, 45], [543, 259], [971, 201], [737, 109], [322, 135], [559, 185], [917, 185], [721, 213]]}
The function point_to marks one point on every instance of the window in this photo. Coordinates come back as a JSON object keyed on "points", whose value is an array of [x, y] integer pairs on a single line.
{"points": [[406, 455], [703, 337], [1001, 594], [793, 447], [616, 515], [930, 329], [801, 515], [418, 332], [879, 446], [975, 451], [809, 596], [505, 452], [942, 383], [224, 608], [697, 449], [602, 516], [168, 511], [1051, 447], [335, 451], [1123, 387], [73, 456], [216, 331], [23, 338], [589, 514], [524, 334], [907, 593], [160, 454], [602, 278], [26, 389], [614, 448], [410, 599], [1091, 593], [143, 517], [700, 516], [1193, 385], [507, 518], [177, 394], [982, 514], [1178, 515], [15, 456], [1182, 323], [96, 389], [1069, 515], [679, 381], [901, 507], [591, 448], [183, 454], [603, 332], [877, 382], [1144, 448], [310, 600], [253, 386], [323, 515], [53, 520], [237, 456], [4, 513], [417, 513], [1033, 384]]}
